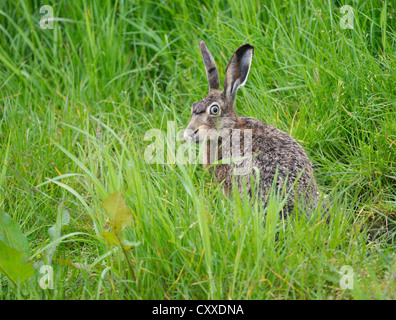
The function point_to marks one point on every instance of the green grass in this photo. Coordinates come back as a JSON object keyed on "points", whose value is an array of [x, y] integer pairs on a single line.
{"points": [[77, 100]]}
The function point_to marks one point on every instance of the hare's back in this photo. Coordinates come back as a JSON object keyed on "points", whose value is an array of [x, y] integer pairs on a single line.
{"points": [[274, 149]]}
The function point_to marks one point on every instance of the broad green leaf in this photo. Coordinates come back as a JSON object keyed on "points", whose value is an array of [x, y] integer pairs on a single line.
{"points": [[111, 238], [14, 264], [119, 213], [11, 234]]}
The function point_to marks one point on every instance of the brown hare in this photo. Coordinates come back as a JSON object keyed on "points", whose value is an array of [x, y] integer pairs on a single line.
{"points": [[267, 152]]}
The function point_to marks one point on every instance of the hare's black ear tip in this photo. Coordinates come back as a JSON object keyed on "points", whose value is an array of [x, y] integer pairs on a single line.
{"points": [[249, 46], [245, 48]]}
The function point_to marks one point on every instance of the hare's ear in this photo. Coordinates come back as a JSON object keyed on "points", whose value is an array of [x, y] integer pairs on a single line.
{"points": [[211, 70], [237, 71]]}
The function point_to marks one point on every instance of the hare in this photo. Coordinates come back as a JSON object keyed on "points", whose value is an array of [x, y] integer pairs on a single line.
{"points": [[273, 153]]}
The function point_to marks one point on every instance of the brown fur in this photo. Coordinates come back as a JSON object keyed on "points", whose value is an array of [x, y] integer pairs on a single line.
{"points": [[275, 152]]}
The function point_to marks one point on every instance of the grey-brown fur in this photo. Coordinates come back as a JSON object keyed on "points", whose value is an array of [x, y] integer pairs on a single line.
{"points": [[273, 150]]}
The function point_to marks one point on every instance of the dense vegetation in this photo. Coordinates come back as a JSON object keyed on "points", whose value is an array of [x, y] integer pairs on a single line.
{"points": [[77, 100]]}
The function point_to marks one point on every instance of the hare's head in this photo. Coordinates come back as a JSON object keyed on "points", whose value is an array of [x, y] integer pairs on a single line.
{"points": [[216, 111]]}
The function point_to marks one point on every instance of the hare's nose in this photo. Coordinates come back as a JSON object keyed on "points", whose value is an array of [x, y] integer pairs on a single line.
{"points": [[189, 134]]}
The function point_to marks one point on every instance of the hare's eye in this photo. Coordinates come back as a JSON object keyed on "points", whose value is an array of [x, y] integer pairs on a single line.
{"points": [[214, 109]]}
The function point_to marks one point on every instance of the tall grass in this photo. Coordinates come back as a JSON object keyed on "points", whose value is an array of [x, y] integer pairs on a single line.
{"points": [[76, 101]]}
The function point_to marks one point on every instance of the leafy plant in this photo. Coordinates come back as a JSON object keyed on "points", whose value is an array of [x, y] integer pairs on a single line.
{"points": [[13, 251], [120, 218], [14, 264]]}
